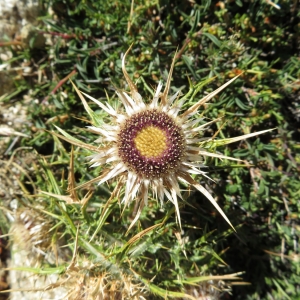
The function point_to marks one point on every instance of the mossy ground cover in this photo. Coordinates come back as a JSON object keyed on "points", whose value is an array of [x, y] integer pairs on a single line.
{"points": [[85, 43]]}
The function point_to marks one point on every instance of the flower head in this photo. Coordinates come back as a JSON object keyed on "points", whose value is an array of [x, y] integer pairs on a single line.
{"points": [[152, 146]]}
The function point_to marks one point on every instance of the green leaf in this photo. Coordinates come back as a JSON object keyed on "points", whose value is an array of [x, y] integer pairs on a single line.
{"points": [[212, 38]]}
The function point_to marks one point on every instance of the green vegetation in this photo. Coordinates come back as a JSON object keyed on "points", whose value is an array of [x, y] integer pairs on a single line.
{"points": [[85, 43]]}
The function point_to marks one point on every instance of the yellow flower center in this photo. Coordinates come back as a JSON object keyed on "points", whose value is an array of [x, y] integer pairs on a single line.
{"points": [[151, 142]]}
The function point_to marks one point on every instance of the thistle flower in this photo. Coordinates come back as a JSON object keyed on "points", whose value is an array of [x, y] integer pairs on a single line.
{"points": [[30, 232], [101, 286], [152, 147]]}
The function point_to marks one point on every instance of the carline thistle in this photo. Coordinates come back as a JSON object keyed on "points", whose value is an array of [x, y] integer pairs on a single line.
{"points": [[153, 147]]}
